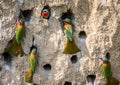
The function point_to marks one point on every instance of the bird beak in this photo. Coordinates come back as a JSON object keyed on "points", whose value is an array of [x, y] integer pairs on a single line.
{"points": [[17, 22], [100, 58]]}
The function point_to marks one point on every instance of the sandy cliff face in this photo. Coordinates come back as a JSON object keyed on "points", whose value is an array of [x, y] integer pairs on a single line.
{"points": [[97, 32]]}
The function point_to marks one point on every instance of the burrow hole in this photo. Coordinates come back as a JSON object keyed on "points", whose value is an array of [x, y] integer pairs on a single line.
{"points": [[91, 78], [6, 56], [0, 68], [82, 36], [48, 8], [35, 84], [26, 14], [74, 59], [47, 67], [67, 83], [7, 60], [108, 55], [69, 14]]}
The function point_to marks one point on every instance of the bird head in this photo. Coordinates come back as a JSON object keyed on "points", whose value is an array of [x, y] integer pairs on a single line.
{"points": [[104, 59], [20, 22], [67, 20], [45, 13], [34, 50]]}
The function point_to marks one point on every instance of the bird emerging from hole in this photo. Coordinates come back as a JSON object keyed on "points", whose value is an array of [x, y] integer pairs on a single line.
{"points": [[14, 47], [68, 30], [46, 13]]}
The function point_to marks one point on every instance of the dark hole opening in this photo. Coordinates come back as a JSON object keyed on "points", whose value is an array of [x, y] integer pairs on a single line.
{"points": [[67, 83], [91, 78], [108, 55], [49, 10], [33, 46], [0, 68], [35, 84], [74, 59], [47, 67], [26, 14], [67, 14], [7, 59], [82, 35]]}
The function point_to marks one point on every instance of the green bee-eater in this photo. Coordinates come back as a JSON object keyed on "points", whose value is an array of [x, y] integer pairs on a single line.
{"points": [[20, 31], [68, 30], [33, 59], [14, 47], [106, 70]]}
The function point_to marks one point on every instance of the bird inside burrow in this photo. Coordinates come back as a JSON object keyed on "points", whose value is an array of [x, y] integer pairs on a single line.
{"points": [[68, 29], [46, 12]]}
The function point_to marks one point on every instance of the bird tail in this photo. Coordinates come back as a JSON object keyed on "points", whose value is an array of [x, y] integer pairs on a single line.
{"points": [[14, 49], [114, 81], [70, 47], [29, 76]]}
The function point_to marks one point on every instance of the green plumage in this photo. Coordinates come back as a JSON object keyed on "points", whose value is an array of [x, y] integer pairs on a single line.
{"points": [[20, 31], [14, 49], [33, 60], [68, 30], [106, 70]]}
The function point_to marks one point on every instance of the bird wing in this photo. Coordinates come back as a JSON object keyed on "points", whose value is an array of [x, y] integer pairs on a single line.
{"points": [[20, 33], [68, 31], [33, 62]]}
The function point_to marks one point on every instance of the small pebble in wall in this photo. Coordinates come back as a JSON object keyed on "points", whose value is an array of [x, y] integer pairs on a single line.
{"points": [[46, 12], [68, 30]]}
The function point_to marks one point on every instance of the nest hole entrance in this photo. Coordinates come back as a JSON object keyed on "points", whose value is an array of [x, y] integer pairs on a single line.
{"points": [[69, 14], [91, 78], [108, 55], [0, 68], [26, 14], [82, 35], [47, 67], [7, 59], [74, 59], [47, 7], [67, 83]]}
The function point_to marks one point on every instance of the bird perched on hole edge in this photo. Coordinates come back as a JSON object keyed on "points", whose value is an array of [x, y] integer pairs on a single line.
{"points": [[46, 13], [68, 30]]}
